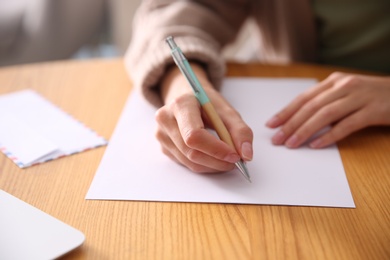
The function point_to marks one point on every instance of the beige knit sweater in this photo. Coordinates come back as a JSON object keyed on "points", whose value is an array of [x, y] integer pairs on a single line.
{"points": [[202, 28]]}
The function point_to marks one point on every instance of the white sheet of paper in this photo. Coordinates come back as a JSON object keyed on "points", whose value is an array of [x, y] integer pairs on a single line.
{"points": [[134, 168], [33, 130]]}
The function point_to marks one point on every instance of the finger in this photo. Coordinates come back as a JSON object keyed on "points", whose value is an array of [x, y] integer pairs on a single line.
{"points": [[197, 162], [325, 116], [188, 164], [193, 135], [342, 129], [240, 132], [282, 116], [170, 137], [308, 110]]}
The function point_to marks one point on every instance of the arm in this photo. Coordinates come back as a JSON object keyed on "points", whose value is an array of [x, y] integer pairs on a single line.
{"points": [[201, 28]]}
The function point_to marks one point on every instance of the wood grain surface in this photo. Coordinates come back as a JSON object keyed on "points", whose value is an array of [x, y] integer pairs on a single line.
{"points": [[95, 91]]}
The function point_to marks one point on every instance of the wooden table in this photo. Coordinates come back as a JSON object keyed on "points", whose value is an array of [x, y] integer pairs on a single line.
{"points": [[95, 92]]}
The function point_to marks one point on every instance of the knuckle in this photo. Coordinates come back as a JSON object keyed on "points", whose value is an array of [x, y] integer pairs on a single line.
{"points": [[180, 101], [245, 131], [159, 134], [350, 81], [304, 96], [328, 112], [336, 75], [161, 115], [299, 100], [176, 102], [288, 128], [191, 137], [239, 127], [193, 155], [311, 107]]}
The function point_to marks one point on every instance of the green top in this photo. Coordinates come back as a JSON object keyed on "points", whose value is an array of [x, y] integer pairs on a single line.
{"points": [[354, 33]]}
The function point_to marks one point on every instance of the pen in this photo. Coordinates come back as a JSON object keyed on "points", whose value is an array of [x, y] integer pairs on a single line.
{"points": [[184, 66]]}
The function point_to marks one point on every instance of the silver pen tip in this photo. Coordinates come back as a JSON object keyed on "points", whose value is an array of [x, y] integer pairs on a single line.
{"points": [[244, 170]]}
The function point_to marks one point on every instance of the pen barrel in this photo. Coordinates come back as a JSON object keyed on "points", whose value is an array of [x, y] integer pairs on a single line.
{"points": [[218, 124], [194, 83]]}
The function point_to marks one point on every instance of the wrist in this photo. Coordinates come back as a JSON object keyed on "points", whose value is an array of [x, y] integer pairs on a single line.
{"points": [[174, 84]]}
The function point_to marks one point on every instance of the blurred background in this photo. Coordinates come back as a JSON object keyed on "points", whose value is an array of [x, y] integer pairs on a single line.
{"points": [[45, 30], [42, 30]]}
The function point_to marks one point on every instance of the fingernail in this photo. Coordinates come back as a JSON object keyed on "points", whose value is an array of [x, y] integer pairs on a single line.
{"points": [[278, 137], [292, 141], [316, 143], [247, 151], [232, 158], [274, 121]]}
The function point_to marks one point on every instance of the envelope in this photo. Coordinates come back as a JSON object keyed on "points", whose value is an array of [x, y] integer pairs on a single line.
{"points": [[34, 131]]}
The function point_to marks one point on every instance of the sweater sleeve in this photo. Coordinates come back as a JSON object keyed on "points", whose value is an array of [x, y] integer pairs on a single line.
{"points": [[200, 28]]}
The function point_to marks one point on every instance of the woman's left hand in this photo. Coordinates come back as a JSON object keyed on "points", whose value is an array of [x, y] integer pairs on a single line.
{"points": [[345, 102]]}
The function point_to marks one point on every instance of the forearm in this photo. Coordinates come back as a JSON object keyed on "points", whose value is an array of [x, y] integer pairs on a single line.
{"points": [[201, 29]]}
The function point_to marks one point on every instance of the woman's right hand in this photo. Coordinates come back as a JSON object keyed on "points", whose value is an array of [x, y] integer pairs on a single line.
{"points": [[182, 126]]}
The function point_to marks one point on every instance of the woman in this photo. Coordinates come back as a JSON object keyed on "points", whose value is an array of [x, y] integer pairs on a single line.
{"points": [[348, 35]]}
